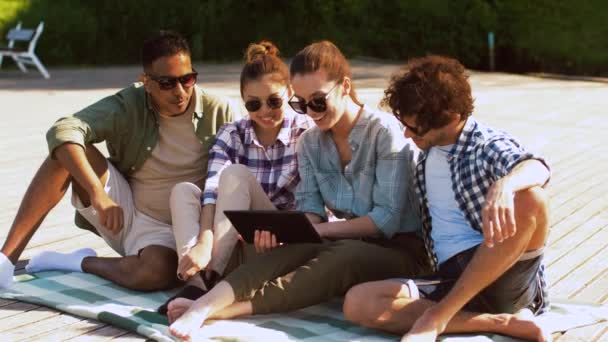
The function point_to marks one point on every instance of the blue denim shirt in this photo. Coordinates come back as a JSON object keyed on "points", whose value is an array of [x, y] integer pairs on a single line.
{"points": [[377, 182]]}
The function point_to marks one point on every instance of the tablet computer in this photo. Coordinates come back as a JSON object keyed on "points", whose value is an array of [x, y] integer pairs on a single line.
{"points": [[287, 226]]}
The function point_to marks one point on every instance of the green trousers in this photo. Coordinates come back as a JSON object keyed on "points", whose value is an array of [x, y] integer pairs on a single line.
{"points": [[294, 276]]}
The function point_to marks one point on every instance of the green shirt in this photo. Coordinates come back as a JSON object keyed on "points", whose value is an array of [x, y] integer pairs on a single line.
{"points": [[128, 124]]}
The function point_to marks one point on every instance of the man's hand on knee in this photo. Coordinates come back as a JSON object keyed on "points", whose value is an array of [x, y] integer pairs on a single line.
{"points": [[498, 214]]}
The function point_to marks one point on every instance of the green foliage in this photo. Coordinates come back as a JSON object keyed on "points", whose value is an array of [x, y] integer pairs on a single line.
{"points": [[542, 35], [8, 14], [556, 36]]}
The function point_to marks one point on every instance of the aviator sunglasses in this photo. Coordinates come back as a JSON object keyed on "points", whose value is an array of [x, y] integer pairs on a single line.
{"points": [[168, 82], [273, 102], [316, 104]]}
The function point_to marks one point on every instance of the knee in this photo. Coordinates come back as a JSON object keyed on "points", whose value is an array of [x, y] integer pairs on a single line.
{"points": [[234, 174], [354, 304], [348, 250], [532, 202], [155, 275], [182, 192]]}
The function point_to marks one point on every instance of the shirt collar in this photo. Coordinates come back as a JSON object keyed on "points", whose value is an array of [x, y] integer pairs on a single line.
{"points": [[198, 104], [149, 105], [284, 135], [355, 138], [286, 131], [466, 139]]}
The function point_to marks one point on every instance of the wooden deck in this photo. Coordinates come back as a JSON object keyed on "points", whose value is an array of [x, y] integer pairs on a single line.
{"points": [[563, 119]]}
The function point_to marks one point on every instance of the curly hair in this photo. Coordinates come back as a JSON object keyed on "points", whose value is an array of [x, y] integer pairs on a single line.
{"points": [[430, 88]]}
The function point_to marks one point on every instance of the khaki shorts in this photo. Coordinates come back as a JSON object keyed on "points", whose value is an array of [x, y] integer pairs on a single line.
{"points": [[139, 230]]}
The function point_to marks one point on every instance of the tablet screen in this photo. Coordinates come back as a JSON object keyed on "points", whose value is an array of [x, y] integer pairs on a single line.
{"points": [[287, 226]]}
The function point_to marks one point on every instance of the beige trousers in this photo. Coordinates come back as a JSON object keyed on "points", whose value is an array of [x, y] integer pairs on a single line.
{"points": [[238, 189]]}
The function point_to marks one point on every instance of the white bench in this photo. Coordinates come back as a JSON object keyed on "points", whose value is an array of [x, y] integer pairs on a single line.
{"points": [[23, 57]]}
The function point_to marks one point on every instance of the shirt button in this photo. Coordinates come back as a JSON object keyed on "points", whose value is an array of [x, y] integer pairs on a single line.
{"points": [[132, 167], [148, 148]]}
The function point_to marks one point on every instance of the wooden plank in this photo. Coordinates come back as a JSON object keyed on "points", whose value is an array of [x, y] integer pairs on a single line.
{"points": [[25, 318], [558, 249], [578, 218], [38, 328], [580, 173], [579, 254], [4, 302], [105, 333], [131, 337], [77, 329], [596, 291], [578, 186], [13, 309], [586, 273], [585, 334], [578, 203]]}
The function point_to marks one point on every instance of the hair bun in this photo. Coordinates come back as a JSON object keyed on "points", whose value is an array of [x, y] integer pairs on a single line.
{"points": [[259, 50]]}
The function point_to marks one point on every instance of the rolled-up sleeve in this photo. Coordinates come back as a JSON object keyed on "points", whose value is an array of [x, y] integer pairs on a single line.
{"points": [[391, 191], [308, 194], [504, 153], [92, 124]]}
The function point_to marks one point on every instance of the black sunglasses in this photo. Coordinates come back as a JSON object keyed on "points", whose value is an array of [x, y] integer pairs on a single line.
{"points": [[316, 104], [416, 130], [274, 102], [168, 82]]}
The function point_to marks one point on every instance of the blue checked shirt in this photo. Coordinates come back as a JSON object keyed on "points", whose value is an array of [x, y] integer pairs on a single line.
{"points": [[480, 157], [377, 182], [275, 167]]}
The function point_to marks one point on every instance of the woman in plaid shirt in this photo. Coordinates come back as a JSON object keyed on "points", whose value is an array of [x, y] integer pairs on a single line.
{"points": [[252, 165]]}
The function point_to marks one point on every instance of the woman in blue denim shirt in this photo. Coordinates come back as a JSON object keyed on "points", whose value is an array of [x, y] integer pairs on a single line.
{"points": [[357, 163]]}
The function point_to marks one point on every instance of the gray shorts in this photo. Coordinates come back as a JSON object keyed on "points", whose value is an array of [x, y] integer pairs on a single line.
{"points": [[139, 230], [522, 286]]}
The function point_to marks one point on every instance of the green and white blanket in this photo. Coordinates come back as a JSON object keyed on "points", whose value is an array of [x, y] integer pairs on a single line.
{"points": [[86, 295]]}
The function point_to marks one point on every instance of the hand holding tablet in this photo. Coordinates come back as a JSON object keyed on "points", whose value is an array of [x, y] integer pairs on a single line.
{"points": [[287, 226]]}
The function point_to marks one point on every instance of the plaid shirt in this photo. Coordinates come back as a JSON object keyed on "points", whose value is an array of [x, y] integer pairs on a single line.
{"points": [[479, 158], [275, 167]]}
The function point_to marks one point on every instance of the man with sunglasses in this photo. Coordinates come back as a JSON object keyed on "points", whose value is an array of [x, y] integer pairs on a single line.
{"points": [[484, 214], [158, 134]]}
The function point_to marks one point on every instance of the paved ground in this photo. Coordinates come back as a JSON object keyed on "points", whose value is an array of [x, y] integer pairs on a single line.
{"points": [[564, 119]]}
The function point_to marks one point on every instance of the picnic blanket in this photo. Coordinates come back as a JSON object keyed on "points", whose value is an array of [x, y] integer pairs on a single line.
{"points": [[89, 296]]}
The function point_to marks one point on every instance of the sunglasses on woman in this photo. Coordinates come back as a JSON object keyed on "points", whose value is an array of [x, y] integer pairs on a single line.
{"points": [[168, 82], [273, 102], [316, 104]]}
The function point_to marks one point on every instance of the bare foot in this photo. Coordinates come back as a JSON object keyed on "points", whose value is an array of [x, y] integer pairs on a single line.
{"points": [[428, 336], [185, 328], [177, 308], [525, 326], [426, 328]]}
